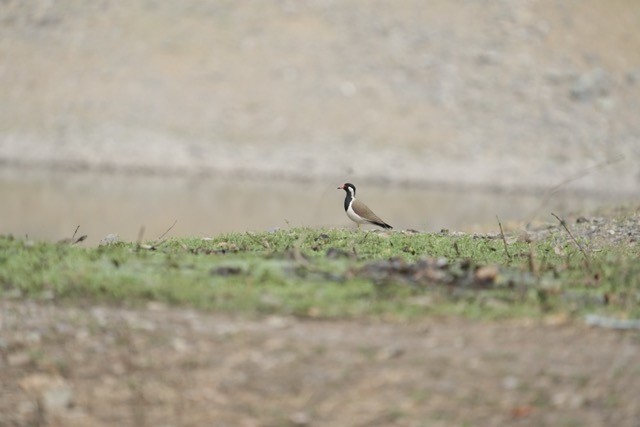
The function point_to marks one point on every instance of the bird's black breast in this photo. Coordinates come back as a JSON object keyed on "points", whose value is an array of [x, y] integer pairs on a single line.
{"points": [[347, 201]]}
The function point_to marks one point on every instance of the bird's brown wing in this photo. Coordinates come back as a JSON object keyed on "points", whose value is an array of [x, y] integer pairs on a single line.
{"points": [[363, 211]]}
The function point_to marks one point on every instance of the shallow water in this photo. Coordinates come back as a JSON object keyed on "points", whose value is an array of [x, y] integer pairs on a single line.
{"points": [[50, 205]]}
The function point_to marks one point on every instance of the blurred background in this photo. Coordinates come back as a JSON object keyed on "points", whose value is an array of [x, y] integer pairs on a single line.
{"points": [[234, 116]]}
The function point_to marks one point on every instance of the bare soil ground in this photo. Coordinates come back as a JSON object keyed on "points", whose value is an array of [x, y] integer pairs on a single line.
{"points": [[93, 366]]}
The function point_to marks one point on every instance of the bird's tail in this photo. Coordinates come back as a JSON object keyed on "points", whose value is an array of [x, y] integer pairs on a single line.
{"points": [[382, 224]]}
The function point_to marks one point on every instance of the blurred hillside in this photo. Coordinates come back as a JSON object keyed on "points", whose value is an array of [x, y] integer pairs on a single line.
{"points": [[491, 93]]}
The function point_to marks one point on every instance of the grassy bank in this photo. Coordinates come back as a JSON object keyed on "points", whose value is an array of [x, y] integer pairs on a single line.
{"points": [[337, 273]]}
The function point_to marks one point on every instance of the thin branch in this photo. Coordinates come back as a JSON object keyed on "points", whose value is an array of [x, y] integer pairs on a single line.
{"points": [[564, 225], [366, 234], [140, 236], [80, 239], [297, 252], [504, 240], [168, 229], [532, 260], [580, 174], [457, 249], [262, 243]]}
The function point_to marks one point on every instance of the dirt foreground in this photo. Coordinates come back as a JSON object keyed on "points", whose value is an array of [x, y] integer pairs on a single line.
{"points": [[158, 366]]}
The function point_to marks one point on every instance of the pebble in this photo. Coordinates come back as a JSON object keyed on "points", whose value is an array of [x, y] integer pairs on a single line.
{"points": [[109, 239], [26, 407], [33, 337], [390, 352], [58, 397], [18, 359], [300, 419], [179, 344], [421, 301], [510, 382], [594, 83], [53, 391], [156, 306], [278, 322], [567, 400], [611, 322]]}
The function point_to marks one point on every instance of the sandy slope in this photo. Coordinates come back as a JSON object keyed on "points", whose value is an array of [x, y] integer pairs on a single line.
{"points": [[494, 93]]}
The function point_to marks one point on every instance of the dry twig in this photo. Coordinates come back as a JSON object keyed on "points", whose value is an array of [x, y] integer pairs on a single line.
{"points": [[504, 240], [140, 236], [168, 230], [580, 174], [73, 240], [564, 225], [262, 243]]}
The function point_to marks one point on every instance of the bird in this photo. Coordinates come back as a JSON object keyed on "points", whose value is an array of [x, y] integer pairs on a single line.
{"points": [[357, 211]]}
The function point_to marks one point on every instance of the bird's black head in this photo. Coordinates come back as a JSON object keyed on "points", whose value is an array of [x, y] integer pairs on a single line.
{"points": [[349, 188]]}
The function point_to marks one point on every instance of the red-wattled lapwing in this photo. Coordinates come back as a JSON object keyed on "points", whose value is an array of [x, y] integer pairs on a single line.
{"points": [[357, 211]]}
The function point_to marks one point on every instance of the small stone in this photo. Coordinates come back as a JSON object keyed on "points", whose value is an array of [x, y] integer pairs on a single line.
{"points": [[109, 239], [348, 89], [510, 383], [488, 57], [594, 83], [18, 359], [54, 392], [495, 303], [421, 301], [567, 400], [390, 352], [100, 315], [269, 300], [486, 274], [335, 253], [633, 77], [141, 324], [411, 231], [607, 103], [156, 306], [314, 312], [12, 294], [556, 319], [47, 295], [442, 262], [33, 337], [26, 407], [226, 270], [179, 344], [58, 397], [118, 369], [278, 322], [300, 419], [522, 411]]}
